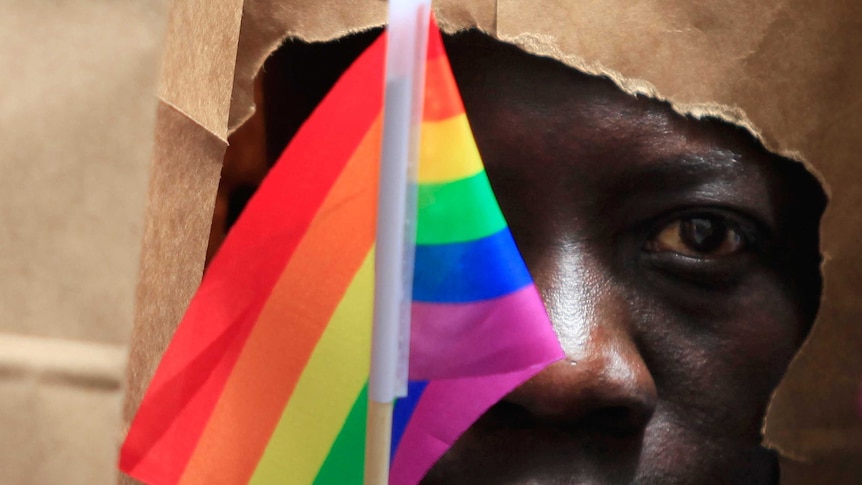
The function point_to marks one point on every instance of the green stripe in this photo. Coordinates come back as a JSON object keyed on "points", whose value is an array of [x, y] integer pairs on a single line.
{"points": [[459, 211], [345, 463]]}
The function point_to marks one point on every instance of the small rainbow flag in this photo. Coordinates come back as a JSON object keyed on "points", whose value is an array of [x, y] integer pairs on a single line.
{"points": [[478, 327], [265, 380]]}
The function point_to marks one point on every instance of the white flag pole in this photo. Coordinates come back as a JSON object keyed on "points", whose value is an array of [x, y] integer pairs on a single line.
{"points": [[396, 226]]}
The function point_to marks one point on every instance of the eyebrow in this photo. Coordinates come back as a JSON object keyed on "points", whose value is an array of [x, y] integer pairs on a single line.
{"points": [[713, 162], [709, 176], [683, 169]]}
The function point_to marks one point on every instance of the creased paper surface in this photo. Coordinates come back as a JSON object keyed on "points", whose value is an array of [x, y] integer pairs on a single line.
{"points": [[190, 141], [76, 131]]}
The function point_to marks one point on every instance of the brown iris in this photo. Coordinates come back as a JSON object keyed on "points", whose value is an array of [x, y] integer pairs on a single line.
{"points": [[698, 237]]}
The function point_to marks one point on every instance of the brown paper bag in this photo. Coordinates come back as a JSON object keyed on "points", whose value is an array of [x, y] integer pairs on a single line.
{"points": [[76, 131]]}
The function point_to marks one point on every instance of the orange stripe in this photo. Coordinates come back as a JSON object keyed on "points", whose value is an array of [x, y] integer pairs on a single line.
{"points": [[290, 325], [442, 99]]}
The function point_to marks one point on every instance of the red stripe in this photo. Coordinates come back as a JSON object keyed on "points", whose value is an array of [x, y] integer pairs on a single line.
{"points": [[442, 98], [435, 41], [198, 361], [290, 325]]}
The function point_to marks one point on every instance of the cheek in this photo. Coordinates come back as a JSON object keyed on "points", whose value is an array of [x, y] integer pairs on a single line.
{"points": [[718, 358], [760, 342], [760, 332]]}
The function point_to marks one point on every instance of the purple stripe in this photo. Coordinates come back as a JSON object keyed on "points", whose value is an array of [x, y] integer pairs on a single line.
{"points": [[447, 408], [488, 337]]}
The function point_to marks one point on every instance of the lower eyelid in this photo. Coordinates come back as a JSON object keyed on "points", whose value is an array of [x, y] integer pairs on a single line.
{"points": [[707, 273]]}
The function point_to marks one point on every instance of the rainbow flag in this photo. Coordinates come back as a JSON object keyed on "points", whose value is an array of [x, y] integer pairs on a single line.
{"points": [[478, 327], [277, 337], [265, 379]]}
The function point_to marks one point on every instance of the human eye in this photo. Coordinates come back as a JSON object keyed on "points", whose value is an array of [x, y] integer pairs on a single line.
{"points": [[707, 247], [699, 236]]}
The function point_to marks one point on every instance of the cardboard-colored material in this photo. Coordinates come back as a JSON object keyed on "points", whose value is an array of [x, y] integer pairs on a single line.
{"points": [[76, 119], [59, 409], [190, 141], [191, 137], [198, 68], [76, 131], [176, 233]]}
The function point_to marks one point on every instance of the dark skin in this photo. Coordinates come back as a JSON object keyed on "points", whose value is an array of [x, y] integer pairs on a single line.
{"points": [[678, 262], [677, 258]]}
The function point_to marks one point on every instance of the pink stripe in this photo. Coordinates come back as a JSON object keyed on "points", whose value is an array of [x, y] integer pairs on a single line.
{"points": [[447, 408], [487, 337]]}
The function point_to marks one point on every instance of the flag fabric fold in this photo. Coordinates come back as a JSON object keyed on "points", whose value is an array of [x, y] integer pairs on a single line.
{"points": [[265, 380]]}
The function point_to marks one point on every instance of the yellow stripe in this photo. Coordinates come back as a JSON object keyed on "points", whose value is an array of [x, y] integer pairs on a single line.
{"points": [[448, 151], [327, 389]]}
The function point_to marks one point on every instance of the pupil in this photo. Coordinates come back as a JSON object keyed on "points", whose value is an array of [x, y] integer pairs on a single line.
{"points": [[703, 235]]}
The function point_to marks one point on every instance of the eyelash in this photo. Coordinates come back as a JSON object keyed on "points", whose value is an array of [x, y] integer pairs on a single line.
{"points": [[751, 230], [721, 271], [700, 237]]}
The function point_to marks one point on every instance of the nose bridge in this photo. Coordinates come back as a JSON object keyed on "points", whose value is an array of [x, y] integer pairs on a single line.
{"points": [[605, 374], [568, 281], [608, 340], [585, 305]]}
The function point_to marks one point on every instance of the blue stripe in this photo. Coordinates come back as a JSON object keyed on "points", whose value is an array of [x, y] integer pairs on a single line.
{"points": [[469, 271], [403, 411]]}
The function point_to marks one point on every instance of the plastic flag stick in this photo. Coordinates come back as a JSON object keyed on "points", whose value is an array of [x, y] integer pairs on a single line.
{"points": [[402, 118]]}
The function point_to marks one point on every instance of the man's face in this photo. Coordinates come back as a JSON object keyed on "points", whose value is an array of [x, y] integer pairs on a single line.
{"points": [[677, 260]]}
